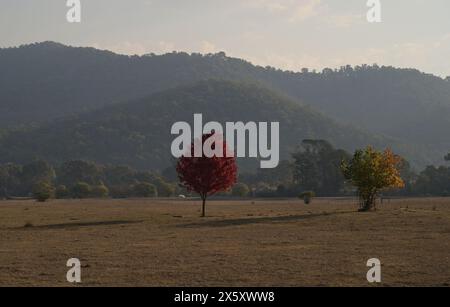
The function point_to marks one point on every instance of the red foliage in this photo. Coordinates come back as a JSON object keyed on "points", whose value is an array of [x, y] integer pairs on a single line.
{"points": [[207, 176]]}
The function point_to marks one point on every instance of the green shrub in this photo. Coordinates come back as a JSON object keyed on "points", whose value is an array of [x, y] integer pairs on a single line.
{"points": [[42, 191], [121, 191], [240, 190], [164, 189], [81, 190], [145, 189], [307, 196], [100, 191], [62, 192]]}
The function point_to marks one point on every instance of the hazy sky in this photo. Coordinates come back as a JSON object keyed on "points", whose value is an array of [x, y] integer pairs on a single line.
{"points": [[288, 34]]}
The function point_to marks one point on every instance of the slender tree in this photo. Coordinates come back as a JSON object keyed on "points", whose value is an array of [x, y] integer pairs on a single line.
{"points": [[207, 175]]}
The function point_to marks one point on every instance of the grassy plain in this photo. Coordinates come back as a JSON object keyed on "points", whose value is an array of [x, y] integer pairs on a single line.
{"points": [[241, 243]]}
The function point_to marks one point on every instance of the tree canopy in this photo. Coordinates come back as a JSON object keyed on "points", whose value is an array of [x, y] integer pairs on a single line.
{"points": [[207, 175], [317, 167], [372, 171]]}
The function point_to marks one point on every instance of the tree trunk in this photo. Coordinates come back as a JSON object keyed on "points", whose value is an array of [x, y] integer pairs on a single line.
{"points": [[368, 204], [203, 206]]}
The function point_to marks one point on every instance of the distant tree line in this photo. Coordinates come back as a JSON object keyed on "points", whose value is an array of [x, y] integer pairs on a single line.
{"points": [[80, 179], [316, 166]]}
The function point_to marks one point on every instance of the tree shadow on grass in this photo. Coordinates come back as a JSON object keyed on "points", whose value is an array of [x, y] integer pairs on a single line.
{"points": [[74, 225], [260, 220]]}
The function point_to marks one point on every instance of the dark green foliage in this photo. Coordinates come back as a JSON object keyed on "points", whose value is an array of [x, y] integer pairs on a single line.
{"points": [[145, 189], [409, 178], [277, 182], [447, 157], [42, 191], [4, 175], [81, 190], [121, 191], [36, 172], [101, 178], [317, 167], [405, 104], [62, 192], [433, 181], [119, 174], [164, 189], [99, 191], [116, 181], [138, 133], [121, 182], [307, 196], [10, 180], [282, 174], [240, 190], [17, 180], [75, 171]]}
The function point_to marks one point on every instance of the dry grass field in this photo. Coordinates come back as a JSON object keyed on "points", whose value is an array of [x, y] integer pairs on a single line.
{"points": [[241, 243]]}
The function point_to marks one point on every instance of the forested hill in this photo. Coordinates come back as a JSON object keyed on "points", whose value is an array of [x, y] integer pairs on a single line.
{"points": [[138, 133], [44, 81]]}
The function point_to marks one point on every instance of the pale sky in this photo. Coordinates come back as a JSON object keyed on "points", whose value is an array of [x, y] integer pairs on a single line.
{"points": [[287, 34]]}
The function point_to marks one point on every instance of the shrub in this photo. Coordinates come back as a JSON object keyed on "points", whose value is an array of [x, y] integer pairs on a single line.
{"points": [[265, 190], [307, 196], [62, 192], [81, 190], [145, 189], [42, 191], [100, 191], [240, 190], [121, 191], [164, 189]]}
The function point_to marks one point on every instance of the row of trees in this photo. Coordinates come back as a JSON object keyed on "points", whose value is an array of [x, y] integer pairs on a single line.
{"points": [[85, 179], [80, 179], [369, 171], [316, 166]]}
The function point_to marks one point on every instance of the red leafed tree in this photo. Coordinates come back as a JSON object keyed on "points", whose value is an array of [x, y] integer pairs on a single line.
{"points": [[207, 176]]}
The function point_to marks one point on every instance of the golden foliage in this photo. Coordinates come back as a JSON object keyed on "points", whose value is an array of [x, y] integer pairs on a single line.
{"points": [[372, 171]]}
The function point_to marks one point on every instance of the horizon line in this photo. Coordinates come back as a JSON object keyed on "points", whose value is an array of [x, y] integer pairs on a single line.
{"points": [[148, 54]]}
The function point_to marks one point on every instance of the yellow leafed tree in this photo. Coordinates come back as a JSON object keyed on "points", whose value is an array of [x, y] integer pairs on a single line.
{"points": [[372, 171]]}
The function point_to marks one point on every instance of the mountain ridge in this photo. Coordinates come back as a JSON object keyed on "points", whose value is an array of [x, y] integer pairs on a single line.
{"points": [[137, 133], [45, 81]]}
